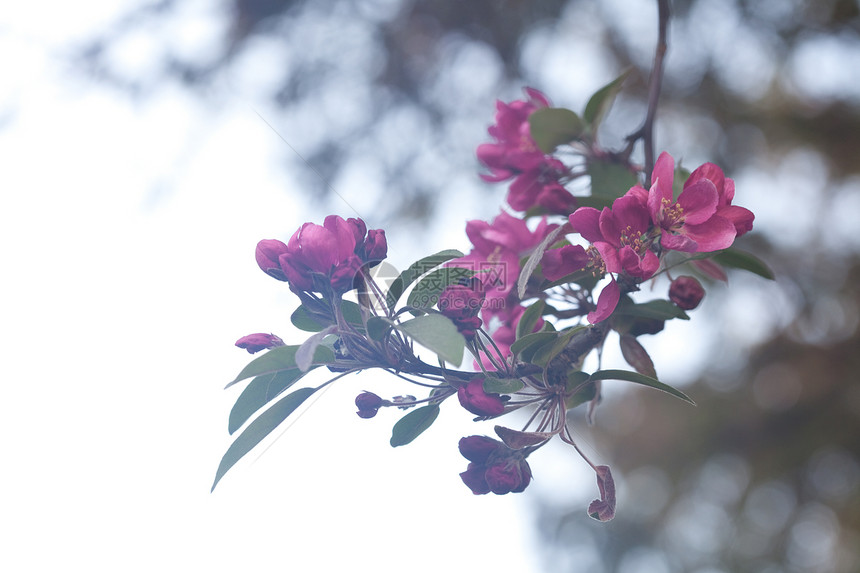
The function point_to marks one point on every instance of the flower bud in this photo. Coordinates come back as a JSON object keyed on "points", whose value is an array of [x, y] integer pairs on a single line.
{"points": [[267, 254], [475, 480], [375, 245], [509, 476], [462, 304], [368, 404], [473, 398], [259, 341], [686, 292], [478, 448]]}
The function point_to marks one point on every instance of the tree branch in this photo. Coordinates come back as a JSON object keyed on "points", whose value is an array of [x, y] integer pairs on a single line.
{"points": [[655, 84]]}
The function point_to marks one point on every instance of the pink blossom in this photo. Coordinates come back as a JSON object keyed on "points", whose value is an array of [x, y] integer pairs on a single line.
{"points": [[319, 257], [741, 218], [620, 235], [558, 263], [516, 155], [267, 253], [258, 341], [691, 224], [462, 304]]}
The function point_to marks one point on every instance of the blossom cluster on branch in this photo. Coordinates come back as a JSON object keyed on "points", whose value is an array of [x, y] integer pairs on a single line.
{"points": [[545, 283]]}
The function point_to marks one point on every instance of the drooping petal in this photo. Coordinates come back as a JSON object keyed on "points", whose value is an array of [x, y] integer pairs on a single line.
{"points": [[741, 218], [699, 202], [606, 303]]}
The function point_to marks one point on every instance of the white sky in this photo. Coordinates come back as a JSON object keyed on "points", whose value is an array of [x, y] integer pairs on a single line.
{"points": [[121, 306]]}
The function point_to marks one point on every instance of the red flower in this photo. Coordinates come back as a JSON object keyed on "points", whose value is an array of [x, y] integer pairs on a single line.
{"points": [[686, 292], [259, 341], [494, 466], [462, 304], [474, 399]]}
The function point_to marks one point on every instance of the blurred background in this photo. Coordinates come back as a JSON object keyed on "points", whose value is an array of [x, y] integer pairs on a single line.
{"points": [[146, 146]]}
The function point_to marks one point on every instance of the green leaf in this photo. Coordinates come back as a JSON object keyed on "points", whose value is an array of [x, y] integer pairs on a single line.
{"points": [[598, 105], [502, 385], [530, 318], [377, 327], [412, 424], [278, 359], [418, 268], [535, 258], [351, 312], [658, 309], [306, 352], [640, 379], [592, 201], [554, 126], [304, 320], [525, 347], [580, 391], [610, 180], [735, 258], [437, 333], [260, 392], [426, 292], [259, 429], [544, 355]]}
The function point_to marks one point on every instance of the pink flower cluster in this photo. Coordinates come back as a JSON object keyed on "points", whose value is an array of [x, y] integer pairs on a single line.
{"points": [[629, 238], [324, 257], [514, 155]]}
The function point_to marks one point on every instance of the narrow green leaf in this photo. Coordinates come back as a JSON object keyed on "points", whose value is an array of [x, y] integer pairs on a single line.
{"points": [[735, 258], [640, 379], [280, 358], [415, 270], [535, 258], [502, 385], [544, 355], [529, 319], [412, 424], [426, 292], [554, 126], [260, 428], [609, 180], [259, 392], [351, 312], [437, 333], [598, 105], [658, 309]]}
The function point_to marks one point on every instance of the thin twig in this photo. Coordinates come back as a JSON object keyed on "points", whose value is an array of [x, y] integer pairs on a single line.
{"points": [[655, 84]]}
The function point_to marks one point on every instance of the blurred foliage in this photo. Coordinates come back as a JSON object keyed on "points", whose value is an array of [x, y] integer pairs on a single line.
{"points": [[764, 475]]}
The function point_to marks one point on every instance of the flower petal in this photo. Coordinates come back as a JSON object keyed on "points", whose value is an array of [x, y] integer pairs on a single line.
{"points": [[699, 202], [606, 303], [586, 222], [715, 234]]}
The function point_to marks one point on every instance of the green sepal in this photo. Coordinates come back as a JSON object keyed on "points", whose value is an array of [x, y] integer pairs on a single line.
{"points": [[413, 424]]}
